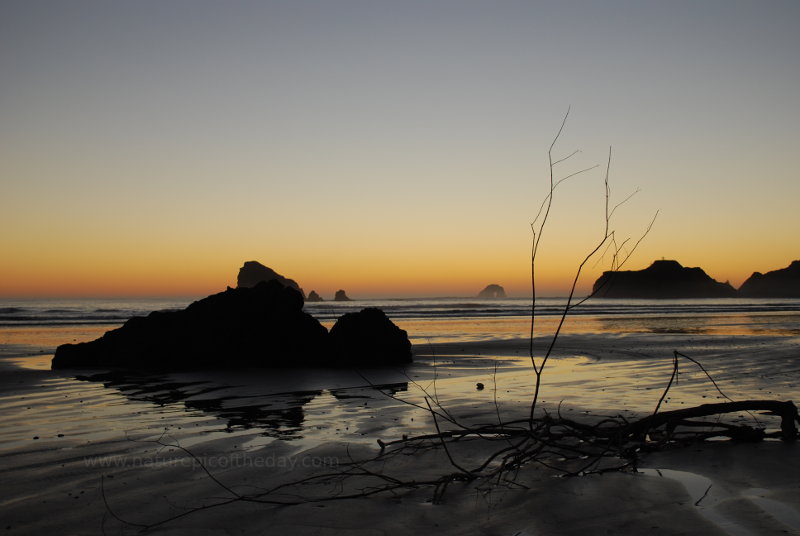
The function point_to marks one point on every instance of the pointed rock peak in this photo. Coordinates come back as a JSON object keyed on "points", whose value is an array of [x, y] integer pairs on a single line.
{"points": [[314, 297], [341, 295], [783, 283], [253, 272]]}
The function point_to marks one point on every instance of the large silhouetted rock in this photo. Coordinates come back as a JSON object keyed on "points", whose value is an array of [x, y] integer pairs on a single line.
{"points": [[341, 296], [260, 326], [662, 279], [492, 291], [253, 272], [368, 338], [783, 283]]}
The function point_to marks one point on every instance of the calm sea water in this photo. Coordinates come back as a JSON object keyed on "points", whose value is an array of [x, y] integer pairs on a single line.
{"points": [[55, 321], [33, 312]]}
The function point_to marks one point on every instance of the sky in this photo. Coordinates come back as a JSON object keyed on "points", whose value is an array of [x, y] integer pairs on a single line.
{"points": [[390, 148]]}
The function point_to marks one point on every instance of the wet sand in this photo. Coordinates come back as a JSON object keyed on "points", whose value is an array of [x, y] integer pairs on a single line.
{"points": [[78, 454]]}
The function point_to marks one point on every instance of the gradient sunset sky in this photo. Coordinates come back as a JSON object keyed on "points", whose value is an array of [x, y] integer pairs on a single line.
{"points": [[388, 148]]}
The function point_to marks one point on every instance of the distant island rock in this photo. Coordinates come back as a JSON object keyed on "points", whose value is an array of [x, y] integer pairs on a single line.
{"points": [[661, 280], [253, 272], [369, 337], [314, 297], [259, 326], [492, 291], [783, 283], [341, 296]]}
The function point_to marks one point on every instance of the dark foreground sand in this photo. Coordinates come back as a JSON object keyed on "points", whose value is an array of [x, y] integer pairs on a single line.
{"points": [[78, 457]]}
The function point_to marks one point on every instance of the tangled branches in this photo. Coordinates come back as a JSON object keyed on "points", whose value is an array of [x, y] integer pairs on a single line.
{"points": [[492, 455]]}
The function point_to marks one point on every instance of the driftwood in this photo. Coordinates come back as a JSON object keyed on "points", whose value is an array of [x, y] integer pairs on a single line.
{"points": [[637, 431], [565, 446], [671, 419]]}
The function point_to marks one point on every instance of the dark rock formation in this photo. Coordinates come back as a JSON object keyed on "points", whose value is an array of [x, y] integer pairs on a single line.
{"points": [[492, 291], [314, 297], [262, 326], [254, 272], [368, 338], [662, 279], [341, 296], [783, 283]]}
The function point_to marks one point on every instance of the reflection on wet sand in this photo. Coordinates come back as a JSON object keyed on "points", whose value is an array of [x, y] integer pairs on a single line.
{"points": [[733, 324], [657, 324], [279, 415]]}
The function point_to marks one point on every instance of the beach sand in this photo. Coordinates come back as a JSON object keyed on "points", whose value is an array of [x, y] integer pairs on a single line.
{"points": [[77, 456]]}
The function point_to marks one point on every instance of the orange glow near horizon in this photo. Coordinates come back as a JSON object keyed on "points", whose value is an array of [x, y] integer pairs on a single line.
{"points": [[417, 257], [150, 150], [418, 279]]}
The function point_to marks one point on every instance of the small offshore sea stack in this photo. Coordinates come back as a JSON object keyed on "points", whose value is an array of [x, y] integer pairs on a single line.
{"points": [[313, 297], [260, 326], [492, 291], [341, 295], [368, 338]]}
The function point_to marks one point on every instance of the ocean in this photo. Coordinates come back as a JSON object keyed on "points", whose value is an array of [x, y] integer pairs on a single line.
{"points": [[61, 311], [37, 326]]}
